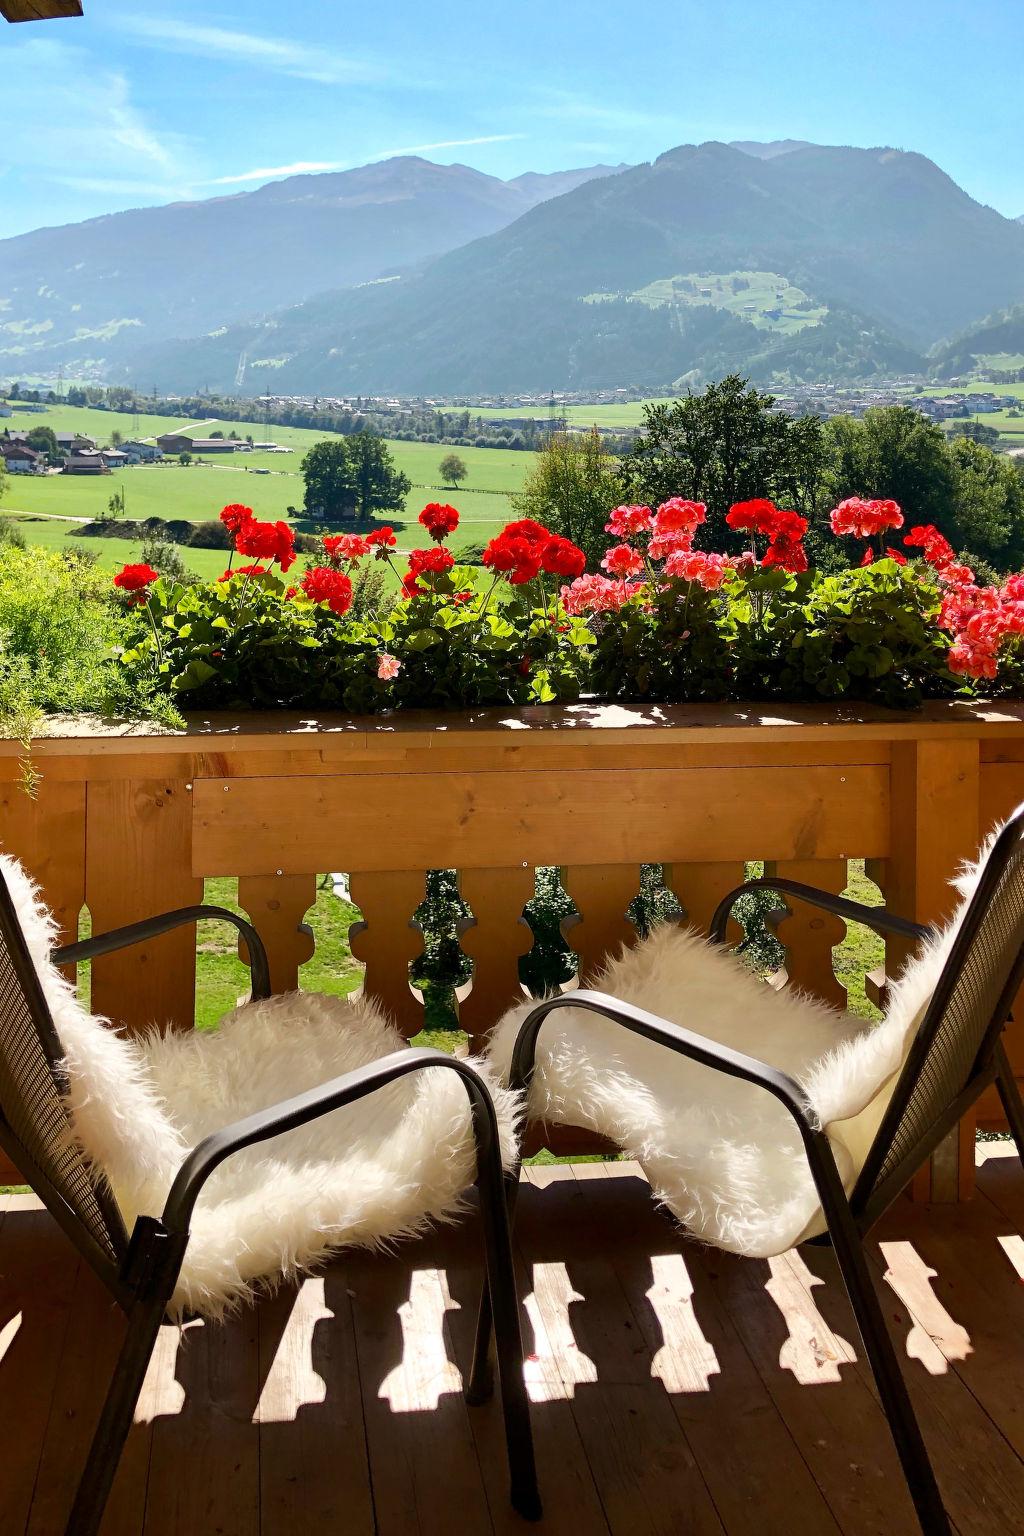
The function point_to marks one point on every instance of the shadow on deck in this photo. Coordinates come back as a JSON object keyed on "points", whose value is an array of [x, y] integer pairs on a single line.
{"points": [[675, 1390]]}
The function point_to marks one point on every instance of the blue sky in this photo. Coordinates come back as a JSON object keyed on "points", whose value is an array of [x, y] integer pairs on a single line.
{"points": [[140, 104]]}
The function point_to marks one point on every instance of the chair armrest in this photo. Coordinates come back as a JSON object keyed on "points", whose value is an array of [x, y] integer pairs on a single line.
{"points": [[721, 1058], [290, 1113], [151, 927], [879, 918]]}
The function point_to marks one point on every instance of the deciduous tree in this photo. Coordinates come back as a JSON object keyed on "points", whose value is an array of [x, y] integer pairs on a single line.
{"points": [[571, 489]]}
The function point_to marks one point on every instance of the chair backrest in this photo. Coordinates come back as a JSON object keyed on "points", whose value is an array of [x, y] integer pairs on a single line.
{"points": [[35, 1128], [960, 1030]]}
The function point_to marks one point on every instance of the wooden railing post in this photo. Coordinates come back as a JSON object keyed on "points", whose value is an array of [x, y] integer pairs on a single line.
{"points": [[808, 935], [277, 905], [934, 813], [497, 937], [139, 863], [601, 893], [387, 940]]}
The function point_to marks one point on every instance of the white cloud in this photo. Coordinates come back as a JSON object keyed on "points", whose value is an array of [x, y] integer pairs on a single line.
{"points": [[301, 60], [87, 127], [302, 167]]}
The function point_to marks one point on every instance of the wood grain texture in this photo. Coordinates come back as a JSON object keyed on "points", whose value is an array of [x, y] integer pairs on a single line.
{"points": [[387, 940], [498, 937], [808, 934], [601, 894], [549, 818], [277, 906], [138, 836]]}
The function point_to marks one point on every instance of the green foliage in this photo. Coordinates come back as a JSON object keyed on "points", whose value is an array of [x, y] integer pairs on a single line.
{"points": [[60, 631], [244, 642], [166, 558], [867, 634], [725, 445], [43, 440], [352, 478], [671, 646], [571, 490]]}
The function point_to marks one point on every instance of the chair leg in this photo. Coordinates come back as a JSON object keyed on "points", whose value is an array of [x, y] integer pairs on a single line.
{"points": [[502, 1303], [116, 1418], [878, 1346], [1009, 1093], [481, 1378]]}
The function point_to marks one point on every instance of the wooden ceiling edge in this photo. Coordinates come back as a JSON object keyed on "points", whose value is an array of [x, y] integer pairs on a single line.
{"points": [[40, 10]]}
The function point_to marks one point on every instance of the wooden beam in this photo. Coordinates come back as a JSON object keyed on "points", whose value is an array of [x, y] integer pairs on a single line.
{"points": [[39, 10]]}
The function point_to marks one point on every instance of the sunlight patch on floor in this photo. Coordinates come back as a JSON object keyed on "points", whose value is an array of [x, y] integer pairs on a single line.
{"points": [[292, 1381], [426, 1374], [686, 1361], [556, 1365], [936, 1338]]}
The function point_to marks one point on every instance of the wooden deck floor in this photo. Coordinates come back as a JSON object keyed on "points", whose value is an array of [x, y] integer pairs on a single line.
{"points": [[675, 1391]]}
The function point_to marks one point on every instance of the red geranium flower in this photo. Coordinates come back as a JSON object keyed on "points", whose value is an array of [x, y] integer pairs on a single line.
{"points": [[435, 562], [561, 557], [243, 570], [515, 556], [439, 520], [627, 522], [934, 546], [380, 541], [786, 552], [693, 565], [622, 561], [267, 541], [679, 516], [752, 516], [235, 516], [345, 546], [323, 585], [135, 578], [526, 528], [864, 519]]}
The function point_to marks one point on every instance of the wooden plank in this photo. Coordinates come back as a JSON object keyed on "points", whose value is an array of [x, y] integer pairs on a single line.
{"points": [[498, 936], [808, 934], [39, 10], [700, 887], [38, 1269], [46, 833], [829, 1411], [601, 894], [646, 1475], [92, 1342], [312, 1463], [422, 1461], [204, 1462], [137, 865], [754, 1472], [277, 905], [550, 818], [388, 939], [934, 808]]}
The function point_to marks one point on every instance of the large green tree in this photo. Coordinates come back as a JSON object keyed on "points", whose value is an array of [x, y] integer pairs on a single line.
{"points": [[727, 444], [43, 440], [352, 479], [893, 452], [571, 489], [988, 503]]}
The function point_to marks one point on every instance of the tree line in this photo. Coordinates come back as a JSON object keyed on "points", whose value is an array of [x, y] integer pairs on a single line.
{"points": [[731, 444]]}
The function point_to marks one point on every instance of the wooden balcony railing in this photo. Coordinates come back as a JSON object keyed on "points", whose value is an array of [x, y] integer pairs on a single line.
{"points": [[129, 824]]}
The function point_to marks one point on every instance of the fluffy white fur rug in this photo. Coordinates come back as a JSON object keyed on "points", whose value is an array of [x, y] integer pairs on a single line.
{"points": [[363, 1176], [723, 1155]]}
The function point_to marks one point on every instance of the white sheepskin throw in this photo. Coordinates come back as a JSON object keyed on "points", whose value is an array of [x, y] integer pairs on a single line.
{"points": [[724, 1155], [363, 1176]]}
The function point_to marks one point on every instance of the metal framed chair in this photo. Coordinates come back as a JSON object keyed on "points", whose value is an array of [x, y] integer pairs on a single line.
{"points": [[141, 1269], [956, 1054]]}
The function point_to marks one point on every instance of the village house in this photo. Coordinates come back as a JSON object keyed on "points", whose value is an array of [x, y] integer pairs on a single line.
{"points": [[73, 442], [182, 442], [19, 458], [142, 453], [89, 461]]}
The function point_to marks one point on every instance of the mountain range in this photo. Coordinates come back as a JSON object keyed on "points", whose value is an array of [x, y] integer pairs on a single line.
{"points": [[787, 260], [85, 294]]}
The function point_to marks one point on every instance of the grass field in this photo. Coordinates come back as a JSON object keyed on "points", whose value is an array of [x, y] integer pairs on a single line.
{"points": [[766, 299], [198, 491]]}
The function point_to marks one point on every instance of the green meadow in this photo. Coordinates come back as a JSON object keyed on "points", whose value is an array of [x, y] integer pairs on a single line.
{"points": [[196, 492]]}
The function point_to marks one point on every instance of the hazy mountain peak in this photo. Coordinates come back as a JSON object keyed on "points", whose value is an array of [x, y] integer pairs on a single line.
{"points": [[771, 149]]}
